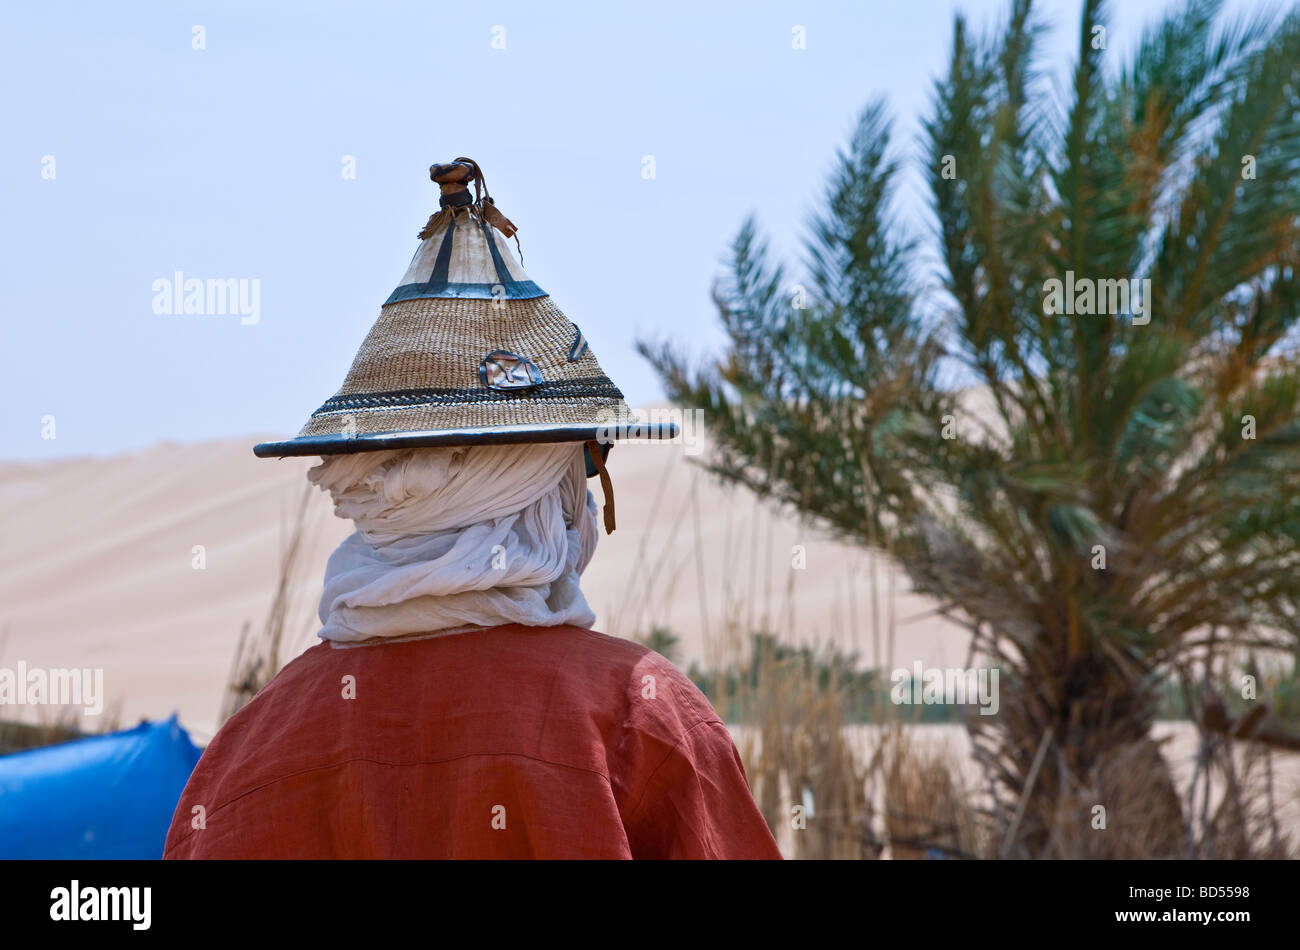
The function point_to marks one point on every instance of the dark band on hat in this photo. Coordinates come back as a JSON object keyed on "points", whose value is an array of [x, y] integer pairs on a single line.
{"points": [[485, 435], [597, 386]]}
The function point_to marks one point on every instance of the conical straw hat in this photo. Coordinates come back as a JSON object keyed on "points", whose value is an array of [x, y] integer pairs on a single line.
{"points": [[468, 350]]}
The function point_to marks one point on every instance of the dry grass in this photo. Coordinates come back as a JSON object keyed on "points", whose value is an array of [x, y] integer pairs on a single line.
{"points": [[258, 659], [808, 778], [829, 793], [929, 809], [55, 725], [64, 725]]}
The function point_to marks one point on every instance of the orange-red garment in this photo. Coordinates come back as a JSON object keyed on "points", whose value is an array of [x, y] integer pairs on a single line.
{"points": [[511, 742]]}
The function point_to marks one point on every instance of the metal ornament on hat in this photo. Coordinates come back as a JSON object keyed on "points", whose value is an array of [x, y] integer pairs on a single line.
{"points": [[501, 369]]}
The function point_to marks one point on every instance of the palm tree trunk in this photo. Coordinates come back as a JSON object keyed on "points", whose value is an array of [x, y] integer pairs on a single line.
{"points": [[1100, 788]]}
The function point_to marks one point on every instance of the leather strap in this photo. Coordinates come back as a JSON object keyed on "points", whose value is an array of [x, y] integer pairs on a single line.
{"points": [[607, 486]]}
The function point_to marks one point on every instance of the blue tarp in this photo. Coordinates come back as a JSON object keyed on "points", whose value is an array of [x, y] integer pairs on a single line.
{"points": [[109, 796]]}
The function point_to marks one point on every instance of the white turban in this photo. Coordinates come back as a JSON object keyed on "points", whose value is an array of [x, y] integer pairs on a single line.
{"points": [[470, 536]]}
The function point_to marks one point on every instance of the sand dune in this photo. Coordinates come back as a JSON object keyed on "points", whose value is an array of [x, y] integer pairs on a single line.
{"points": [[97, 570]]}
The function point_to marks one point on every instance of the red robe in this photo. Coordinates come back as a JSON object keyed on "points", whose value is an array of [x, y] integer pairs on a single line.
{"points": [[513, 742]]}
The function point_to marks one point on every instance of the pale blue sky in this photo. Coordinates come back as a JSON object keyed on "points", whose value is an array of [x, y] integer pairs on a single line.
{"points": [[225, 162]]}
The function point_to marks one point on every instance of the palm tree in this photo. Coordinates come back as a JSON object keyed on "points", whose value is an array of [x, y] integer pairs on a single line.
{"points": [[1110, 491]]}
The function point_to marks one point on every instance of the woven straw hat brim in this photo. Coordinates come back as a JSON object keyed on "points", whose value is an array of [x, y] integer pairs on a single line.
{"points": [[433, 438]]}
